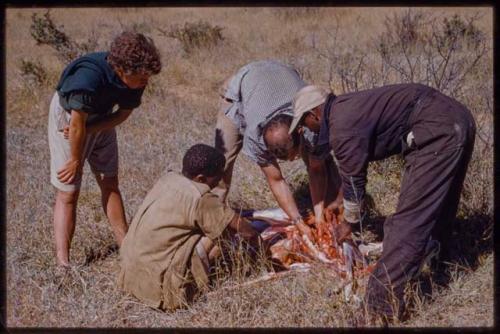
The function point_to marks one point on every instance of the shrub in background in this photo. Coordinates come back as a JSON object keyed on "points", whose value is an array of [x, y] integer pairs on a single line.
{"points": [[442, 54], [33, 72], [295, 13], [44, 31], [413, 47], [196, 35], [449, 54]]}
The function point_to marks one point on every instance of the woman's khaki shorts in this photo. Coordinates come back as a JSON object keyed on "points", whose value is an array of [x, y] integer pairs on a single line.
{"points": [[100, 150]]}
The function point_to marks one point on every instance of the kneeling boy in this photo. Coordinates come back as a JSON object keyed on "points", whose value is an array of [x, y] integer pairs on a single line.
{"points": [[167, 252]]}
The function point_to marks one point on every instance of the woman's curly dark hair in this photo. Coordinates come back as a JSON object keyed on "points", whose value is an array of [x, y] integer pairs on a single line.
{"points": [[134, 53]]}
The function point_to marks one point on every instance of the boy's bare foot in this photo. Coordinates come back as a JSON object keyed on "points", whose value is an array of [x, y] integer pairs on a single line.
{"points": [[63, 264]]}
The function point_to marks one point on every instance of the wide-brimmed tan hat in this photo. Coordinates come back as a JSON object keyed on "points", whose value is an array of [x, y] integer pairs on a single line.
{"points": [[307, 98]]}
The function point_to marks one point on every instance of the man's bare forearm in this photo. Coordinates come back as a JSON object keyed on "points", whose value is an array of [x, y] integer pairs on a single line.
{"points": [[317, 185], [109, 121], [284, 197], [281, 190]]}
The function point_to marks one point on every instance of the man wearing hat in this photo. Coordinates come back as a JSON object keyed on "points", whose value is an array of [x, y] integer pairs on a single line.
{"points": [[434, 134], [256, 107], [324, 179]]}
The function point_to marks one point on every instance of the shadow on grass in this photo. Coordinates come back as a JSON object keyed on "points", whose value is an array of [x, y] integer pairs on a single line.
{"points": [[471, 237], [302, 197], [470, 240], [93, 255]]}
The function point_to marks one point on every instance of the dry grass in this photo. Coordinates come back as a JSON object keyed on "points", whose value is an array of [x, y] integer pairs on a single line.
{"points": [[466, 302], [179, 110]]}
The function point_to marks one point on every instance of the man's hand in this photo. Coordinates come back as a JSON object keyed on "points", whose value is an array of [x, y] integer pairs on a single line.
{"points": [[304, 229], [66, 132], [342, 232], [335, 205], [69, 171]]}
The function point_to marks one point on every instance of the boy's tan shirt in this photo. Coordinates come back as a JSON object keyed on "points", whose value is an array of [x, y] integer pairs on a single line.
{"points": [[158, 257]]}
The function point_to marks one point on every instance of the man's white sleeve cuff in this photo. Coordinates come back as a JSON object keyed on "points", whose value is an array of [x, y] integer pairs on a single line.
{"points": [[352, 211]]}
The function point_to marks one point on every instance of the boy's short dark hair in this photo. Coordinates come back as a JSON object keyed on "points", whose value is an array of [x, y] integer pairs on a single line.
{"points": [[134, 53], [202, 159], [280, 149]]}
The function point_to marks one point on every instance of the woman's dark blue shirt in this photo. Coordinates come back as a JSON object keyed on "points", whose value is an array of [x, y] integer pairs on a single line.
{"points": [[91, 85]]}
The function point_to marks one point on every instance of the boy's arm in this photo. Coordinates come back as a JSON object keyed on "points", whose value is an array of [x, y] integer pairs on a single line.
{"points": [[109, 121], [76, 134], [241, 226], [105, 123], [215, 219]]}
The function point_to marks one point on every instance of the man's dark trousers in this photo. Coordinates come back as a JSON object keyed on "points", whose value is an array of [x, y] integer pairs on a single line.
{"points": [[435, 168]]}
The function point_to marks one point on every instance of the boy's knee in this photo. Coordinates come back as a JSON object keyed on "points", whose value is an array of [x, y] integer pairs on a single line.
{"points": [[67, 197], [108, 183]]}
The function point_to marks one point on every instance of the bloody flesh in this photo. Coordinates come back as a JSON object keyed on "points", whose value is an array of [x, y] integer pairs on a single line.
{"points": [[319, 246]]}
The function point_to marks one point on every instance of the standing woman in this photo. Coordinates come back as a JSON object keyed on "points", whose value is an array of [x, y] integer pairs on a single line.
{"points": [[95, 93]]}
